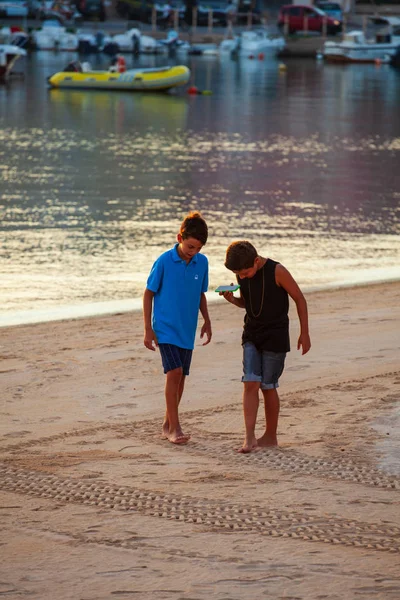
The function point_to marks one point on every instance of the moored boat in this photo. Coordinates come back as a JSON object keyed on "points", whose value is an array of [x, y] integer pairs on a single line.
{"points": [[356, 47], [9, 54], [53, 36], [259, 41], [395, 59], [133, 41], [160, 79]]}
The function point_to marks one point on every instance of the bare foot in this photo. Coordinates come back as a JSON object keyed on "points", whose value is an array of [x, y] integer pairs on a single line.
{"points": [[179, 439], [248, 446], [266, 441]]}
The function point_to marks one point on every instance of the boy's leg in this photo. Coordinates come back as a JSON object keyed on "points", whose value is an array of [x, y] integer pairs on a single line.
{"points": [[173, 392], [176, 362], [165, 427], [252, 367], [272, 366], [250, 409], [271, 405]]}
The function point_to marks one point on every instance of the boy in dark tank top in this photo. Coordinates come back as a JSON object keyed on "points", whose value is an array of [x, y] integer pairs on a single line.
{"points": [[265, 287]]}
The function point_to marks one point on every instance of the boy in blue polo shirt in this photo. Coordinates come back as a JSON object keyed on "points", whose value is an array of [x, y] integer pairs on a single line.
{"points": [[174, 295]]}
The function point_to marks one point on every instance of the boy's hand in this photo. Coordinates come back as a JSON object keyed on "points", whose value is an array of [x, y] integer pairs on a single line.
{"points": [[228, 295], [206, 329], [305, 343], [150, 339]]}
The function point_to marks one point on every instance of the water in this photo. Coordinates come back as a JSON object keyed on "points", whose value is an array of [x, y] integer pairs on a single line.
{"points": [[304, 163]]}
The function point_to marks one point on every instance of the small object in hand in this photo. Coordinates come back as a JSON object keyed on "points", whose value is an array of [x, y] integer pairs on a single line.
{"points": [[228, 288]]}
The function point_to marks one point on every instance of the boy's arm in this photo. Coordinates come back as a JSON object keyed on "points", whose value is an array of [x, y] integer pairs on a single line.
{"points": [[206, 328], [285, 280], [149, 335]]}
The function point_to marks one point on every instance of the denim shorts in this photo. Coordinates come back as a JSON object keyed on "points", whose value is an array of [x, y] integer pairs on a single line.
{"points": [[174, 357], [263, 366]]}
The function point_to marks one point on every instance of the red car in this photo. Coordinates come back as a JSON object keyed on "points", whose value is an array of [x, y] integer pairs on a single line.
{"points": [[301, 17]]}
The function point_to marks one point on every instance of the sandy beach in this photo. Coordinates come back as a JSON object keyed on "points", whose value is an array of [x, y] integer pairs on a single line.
{"points": [[95, 505]]}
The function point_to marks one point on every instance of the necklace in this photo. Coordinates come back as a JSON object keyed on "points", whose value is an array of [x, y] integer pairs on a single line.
{"points": [[262, 297]]}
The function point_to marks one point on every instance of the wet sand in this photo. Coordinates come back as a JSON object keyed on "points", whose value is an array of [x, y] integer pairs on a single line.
{"points": [[95, 505]]}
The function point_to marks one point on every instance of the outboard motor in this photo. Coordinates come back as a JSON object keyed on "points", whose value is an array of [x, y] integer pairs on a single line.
{"points": [[84, 47], [99, 40], [73, 67], [111, 49], [135, 45]]}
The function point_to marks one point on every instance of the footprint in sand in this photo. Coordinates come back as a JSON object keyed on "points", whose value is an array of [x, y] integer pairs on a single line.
{"points": [[16, 434], [123, 405]]}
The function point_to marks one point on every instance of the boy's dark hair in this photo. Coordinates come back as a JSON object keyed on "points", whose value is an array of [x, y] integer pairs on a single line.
{"points": [[240, 255], [194, 226]]}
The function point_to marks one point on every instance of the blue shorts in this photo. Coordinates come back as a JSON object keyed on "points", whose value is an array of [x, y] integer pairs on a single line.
{"points": [[265, 367], [174, 357]]}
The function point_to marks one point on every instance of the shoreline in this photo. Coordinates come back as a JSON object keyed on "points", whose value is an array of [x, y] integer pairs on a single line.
{"points": [[134, 305]]}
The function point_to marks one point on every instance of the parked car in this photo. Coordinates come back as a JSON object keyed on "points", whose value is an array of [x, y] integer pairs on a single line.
{"points": [[219, 12], [223, 8], [58, 10], [243, 9], [36, 8], [132, 9], [142, 10], [332, 9], [92, 9], [300, 17], [52, 18], [14, 8]]}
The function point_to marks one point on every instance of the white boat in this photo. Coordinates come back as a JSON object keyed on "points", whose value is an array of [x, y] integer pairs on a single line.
{"points": [[16, 37], [149, 45], [133, 41], [54, 36], [248, 43], [9, 54], [260, 41], [357, 47], [206, 49], [5, 35], [229, 45], [128, 41]]}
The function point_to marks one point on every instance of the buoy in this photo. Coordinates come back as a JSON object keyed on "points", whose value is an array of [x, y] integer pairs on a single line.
{"points": [[121, 64], [251, 56], [282, 67], [261, 56], [193, 90]]}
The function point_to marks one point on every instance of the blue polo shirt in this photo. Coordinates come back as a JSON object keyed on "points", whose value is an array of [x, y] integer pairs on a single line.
{"points": [[177, 288]]}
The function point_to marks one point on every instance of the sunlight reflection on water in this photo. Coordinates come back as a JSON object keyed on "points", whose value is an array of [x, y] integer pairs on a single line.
{"points": [[91, 195]]}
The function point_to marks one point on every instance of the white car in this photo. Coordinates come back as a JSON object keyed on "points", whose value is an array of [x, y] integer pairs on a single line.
{"points": [[14, 8]]}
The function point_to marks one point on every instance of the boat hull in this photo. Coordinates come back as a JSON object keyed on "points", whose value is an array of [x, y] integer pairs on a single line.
{"points": [[272, 47], [363, 54], [9, 54], [135, 80]]}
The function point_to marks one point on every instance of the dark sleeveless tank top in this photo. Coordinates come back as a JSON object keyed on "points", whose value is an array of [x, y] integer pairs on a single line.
{"points": [[266, 322]]}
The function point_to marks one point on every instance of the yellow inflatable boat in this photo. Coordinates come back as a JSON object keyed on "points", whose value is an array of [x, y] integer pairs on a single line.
{"points": [[132, 80]]}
